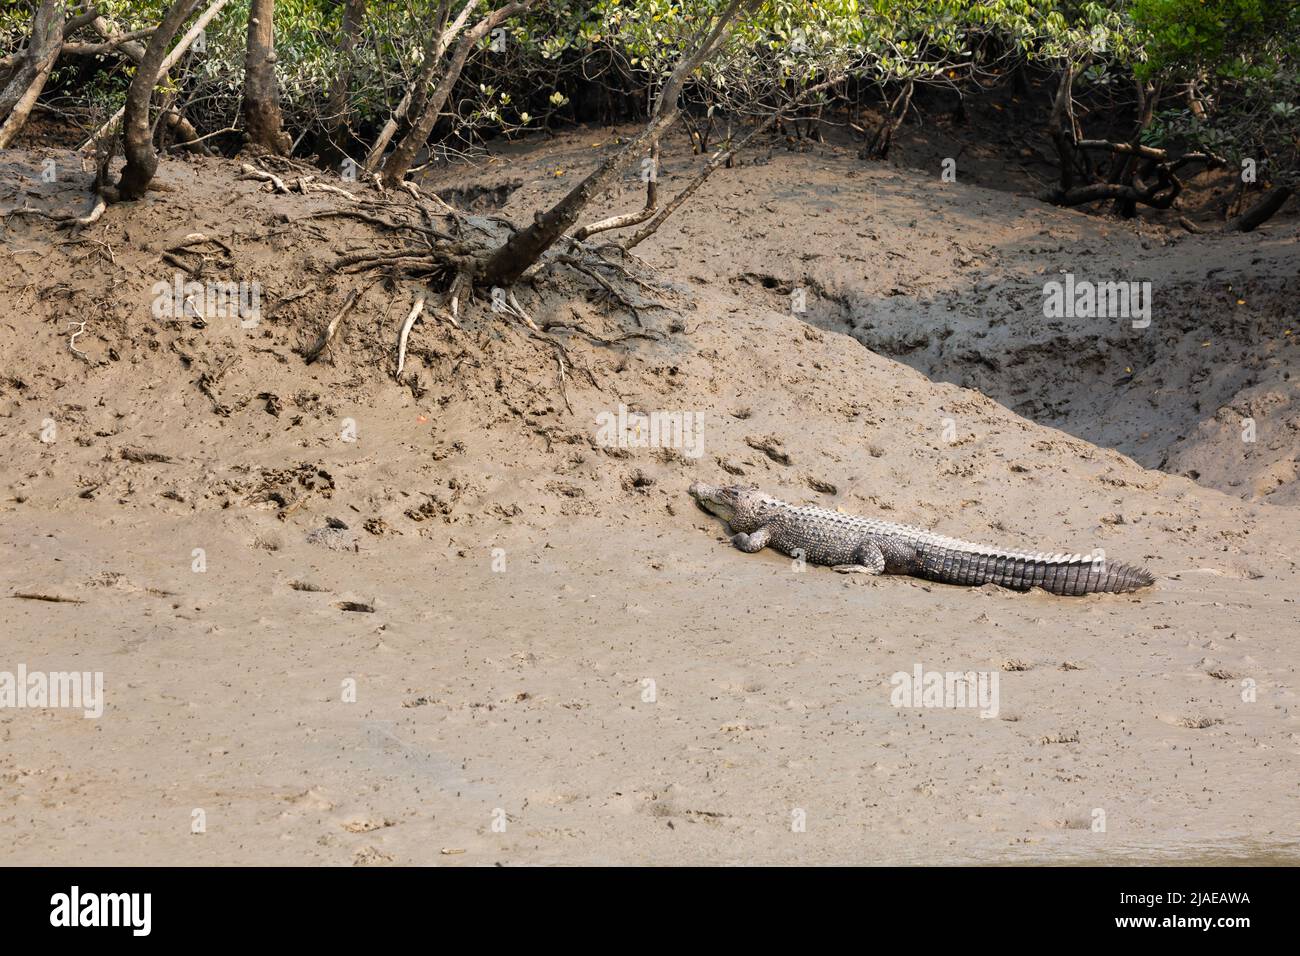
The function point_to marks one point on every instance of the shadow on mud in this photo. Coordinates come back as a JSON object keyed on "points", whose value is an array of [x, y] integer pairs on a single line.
{"points": [[1205, 386]]}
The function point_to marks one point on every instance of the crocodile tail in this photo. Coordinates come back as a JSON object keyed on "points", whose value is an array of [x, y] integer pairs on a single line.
{"points": [[1059, 573], [1126, 577]]}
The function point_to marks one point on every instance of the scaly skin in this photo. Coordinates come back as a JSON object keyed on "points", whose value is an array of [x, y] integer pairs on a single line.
{"points": [[849, 543]]}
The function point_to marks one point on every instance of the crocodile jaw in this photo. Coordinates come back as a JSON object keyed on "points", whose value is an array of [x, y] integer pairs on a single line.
{"points": [[715, 500]]}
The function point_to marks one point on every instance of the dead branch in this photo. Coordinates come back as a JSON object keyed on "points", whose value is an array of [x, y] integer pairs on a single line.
{"points": [[52, 598], [189, 136], [1252, 218], [719, 159], [632, 218], [331, 332]]}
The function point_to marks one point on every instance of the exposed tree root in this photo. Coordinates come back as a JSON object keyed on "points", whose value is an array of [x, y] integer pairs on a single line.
{"points": [[599, 339], [68, 220], [518, 311], [416, 309], [448, 268], [277, 184], [1252, 218], [72, 342], [1262, 211]]}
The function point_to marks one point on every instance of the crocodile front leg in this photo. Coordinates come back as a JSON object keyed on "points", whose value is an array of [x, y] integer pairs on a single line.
{"points": [[752, 542]]}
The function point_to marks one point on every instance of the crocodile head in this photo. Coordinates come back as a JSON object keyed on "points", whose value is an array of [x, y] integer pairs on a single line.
{"points": [[734, 504]]}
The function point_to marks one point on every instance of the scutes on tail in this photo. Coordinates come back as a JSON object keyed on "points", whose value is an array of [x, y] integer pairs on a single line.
{"points": [[850, 543]]}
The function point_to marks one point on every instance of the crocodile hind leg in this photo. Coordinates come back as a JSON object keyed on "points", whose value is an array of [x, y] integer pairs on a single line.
{"points": [[752, 542], [900, 557], [868, 558], [882, 554]]}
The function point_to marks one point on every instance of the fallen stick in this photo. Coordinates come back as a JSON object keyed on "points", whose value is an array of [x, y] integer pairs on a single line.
{"points": [[72, 342], [196, 140], [52, 598], [331, 330], [406, 331], [291, 297], [142, 456], [559, 360]]}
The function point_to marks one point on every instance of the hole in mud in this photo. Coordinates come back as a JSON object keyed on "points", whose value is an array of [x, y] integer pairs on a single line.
{"points": [[767, 282]]}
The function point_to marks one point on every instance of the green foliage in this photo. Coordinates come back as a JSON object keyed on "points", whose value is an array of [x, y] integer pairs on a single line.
{"points": [[1191, 35], [1243, 51], [1240, 61]]}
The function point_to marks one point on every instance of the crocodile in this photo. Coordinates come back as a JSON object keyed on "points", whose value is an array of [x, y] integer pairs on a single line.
{"points": [[852, 544]]}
